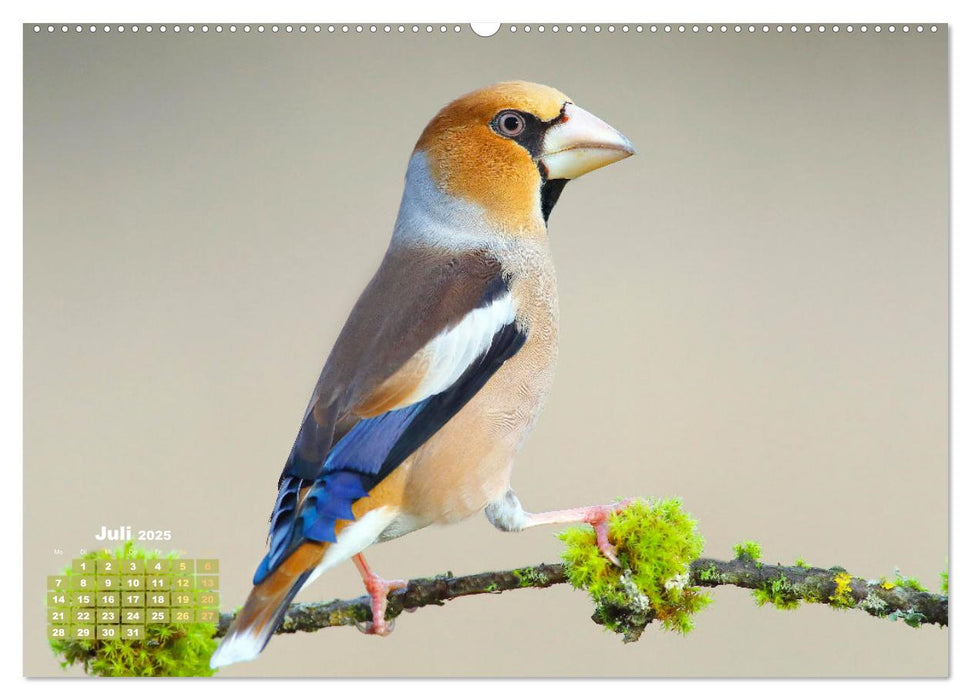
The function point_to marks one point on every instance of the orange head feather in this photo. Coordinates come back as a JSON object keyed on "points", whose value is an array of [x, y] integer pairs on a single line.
{"points": [[470, 159], [502, 146]]}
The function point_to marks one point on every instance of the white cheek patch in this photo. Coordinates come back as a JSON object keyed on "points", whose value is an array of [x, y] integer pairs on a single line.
{"points": [[451, 352]]}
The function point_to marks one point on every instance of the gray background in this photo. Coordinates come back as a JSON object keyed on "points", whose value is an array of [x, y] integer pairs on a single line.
{"points": [[754, 318]]}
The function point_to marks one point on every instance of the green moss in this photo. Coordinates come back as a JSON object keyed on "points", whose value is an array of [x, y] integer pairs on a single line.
{"points": [[801, 563], [749, 549], [901, 581], [778, 592], [944, 577], [906, 581], [656, 542], [168, 649], [843, 595], [811, 596], [710, 574]]}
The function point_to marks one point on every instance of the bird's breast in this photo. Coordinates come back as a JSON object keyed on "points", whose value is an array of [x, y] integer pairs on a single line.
{"points": [[467, 463]]}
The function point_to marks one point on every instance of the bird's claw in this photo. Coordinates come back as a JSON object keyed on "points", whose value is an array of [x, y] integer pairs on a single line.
{"points": [[599, 518], [378, 589], [383, 630]]}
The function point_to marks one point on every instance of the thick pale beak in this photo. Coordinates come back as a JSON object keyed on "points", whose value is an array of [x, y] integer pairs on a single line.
{"points": [[581, 142]]}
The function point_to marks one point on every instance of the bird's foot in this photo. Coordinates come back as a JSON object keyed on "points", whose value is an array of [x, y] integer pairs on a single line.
{"points": [[599, 518], [378, 590]]}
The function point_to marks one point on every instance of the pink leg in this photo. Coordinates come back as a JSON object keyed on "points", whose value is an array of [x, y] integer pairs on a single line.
{"points": [[592, 515], [377, 589]]}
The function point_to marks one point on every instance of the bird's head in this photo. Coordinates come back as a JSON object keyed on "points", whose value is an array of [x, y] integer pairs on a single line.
{"points": [[510, 148]]}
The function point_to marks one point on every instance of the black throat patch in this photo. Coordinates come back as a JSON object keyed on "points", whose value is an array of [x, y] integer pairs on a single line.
{"points": [[549, 192]]}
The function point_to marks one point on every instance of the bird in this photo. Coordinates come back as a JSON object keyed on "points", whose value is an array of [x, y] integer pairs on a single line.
{"points": [[445, 360]]}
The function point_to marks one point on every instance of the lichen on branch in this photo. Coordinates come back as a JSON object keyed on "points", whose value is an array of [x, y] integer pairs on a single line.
{"points": [[786, 587], [802, 583]]}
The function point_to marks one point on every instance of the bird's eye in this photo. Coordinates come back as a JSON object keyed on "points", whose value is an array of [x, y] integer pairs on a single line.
{"points": [[510, 123]]}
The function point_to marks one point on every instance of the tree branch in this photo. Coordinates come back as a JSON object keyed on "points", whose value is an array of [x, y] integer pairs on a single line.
{"points": [[782, 585], [815, 585]]}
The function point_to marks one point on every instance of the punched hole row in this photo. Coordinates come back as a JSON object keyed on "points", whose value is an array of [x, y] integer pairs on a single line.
{"points": [[443, 29]]}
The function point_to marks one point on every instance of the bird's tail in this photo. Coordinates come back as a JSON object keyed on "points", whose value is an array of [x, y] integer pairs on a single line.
{"points": [[264, 608]]}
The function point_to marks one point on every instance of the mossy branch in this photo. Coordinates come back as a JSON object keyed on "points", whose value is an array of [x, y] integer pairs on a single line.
{"points": [[661, 579], [786, 586], [807, 583], [419, 593]]}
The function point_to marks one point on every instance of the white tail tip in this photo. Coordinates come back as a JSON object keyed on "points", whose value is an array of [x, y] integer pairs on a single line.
{"points": [[237, 648]]}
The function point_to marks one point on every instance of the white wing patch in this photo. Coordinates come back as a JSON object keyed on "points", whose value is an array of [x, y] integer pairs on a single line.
{"points": [[451, 352]]}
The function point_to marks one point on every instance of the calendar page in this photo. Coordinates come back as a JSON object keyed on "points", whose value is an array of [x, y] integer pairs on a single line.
{"points": [[520, 350]]}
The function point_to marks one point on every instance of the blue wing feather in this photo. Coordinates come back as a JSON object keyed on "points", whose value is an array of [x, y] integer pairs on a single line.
{"points": [[366, 445], [361, 452], [367, 453]]}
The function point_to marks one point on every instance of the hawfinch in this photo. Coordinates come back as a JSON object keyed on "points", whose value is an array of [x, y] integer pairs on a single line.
{"points": [[443, 364]]}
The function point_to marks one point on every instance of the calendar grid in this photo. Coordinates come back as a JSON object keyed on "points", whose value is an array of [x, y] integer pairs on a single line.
{"points": [[121, 598]]}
